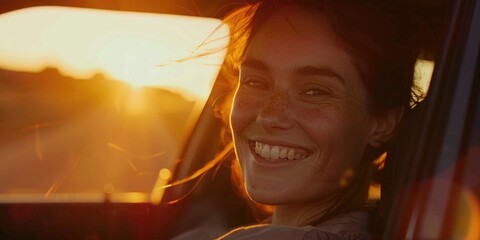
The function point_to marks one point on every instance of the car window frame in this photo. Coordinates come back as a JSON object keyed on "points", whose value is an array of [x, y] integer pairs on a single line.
{"points": [[442, 129]]}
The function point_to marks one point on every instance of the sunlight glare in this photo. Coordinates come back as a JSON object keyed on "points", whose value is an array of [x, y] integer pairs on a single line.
{"points": [[423, 74], [136, 102], [129, 197], [165, 174], [142, 49]]}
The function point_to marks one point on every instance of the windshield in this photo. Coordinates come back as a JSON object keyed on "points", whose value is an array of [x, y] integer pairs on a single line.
{"points": [[97, 103]]}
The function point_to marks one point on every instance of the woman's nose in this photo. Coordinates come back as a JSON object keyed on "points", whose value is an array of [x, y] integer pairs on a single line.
{"points": [[275, 113]]}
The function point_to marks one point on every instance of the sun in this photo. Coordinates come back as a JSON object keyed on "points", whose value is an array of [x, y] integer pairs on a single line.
{"points": [[142, 49]]}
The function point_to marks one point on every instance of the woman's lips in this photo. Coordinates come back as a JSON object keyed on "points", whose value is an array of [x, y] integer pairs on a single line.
{"points": [[273, 152]]}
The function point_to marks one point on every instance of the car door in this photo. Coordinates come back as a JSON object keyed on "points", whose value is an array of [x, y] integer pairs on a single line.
{"points": [[433, 175]]}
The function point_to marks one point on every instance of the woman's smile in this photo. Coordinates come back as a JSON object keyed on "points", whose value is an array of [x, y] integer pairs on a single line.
{"points": [[276, 152], [271, 153], [298, 119]]}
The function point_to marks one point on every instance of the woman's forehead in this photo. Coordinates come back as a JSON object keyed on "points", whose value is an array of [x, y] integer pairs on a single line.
{"points": [[299, 21], [295, 29], [293, 38]]}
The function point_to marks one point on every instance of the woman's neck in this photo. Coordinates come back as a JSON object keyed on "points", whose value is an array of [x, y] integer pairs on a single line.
{"points": [[301, 215], [297, 214]]}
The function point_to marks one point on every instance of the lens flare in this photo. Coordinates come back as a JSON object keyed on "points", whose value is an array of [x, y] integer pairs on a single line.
{"points": [[142, 49]]}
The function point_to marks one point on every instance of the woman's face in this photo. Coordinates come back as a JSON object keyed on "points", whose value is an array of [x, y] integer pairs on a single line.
{"points": [[300, 118]]}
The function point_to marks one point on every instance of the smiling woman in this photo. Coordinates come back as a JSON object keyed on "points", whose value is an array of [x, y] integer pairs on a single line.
{"points": [[310, 118], [320, 87]]}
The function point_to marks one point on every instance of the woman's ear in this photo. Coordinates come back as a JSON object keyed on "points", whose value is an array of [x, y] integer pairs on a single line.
{"points": [[385, 126]]}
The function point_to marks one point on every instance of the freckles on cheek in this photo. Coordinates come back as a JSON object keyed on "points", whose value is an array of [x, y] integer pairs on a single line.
{"points": [[326, 124], [316, 118], [243, 109]]}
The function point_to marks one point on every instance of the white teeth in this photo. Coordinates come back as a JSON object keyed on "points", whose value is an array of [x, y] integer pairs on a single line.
{"points": [[273, 153], [290, 155], [283, 153], [265, 151]]}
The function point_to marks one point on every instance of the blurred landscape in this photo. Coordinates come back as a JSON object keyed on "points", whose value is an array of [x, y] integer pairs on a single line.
{"points": [[60, 134]]}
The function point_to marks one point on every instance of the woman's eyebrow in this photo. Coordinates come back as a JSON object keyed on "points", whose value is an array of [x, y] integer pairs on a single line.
{"points": [[255, 64], [317, 71]]}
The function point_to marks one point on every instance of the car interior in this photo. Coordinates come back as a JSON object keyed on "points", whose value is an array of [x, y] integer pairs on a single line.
{"points": [[79, 160]]}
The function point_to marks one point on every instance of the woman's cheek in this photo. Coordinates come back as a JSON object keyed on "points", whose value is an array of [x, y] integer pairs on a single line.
{"points": [[327, 124], [244, 111], [319, 116]]}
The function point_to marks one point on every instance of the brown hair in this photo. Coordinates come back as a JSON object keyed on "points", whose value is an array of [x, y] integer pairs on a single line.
{"points": [[381, 40]]}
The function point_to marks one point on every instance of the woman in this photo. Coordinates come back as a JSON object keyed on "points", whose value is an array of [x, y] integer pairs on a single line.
{"points": [[322, 86]]}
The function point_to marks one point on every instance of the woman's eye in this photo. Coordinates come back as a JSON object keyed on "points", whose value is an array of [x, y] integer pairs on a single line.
{"points": [[316, 92], [254, 83]]}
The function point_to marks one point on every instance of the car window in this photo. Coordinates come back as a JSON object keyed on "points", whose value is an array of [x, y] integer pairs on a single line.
{"points": [[96, 102], [436, 188]]}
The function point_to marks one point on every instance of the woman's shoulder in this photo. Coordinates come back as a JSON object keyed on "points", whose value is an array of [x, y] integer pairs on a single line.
{"points": [[280, 232]]}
